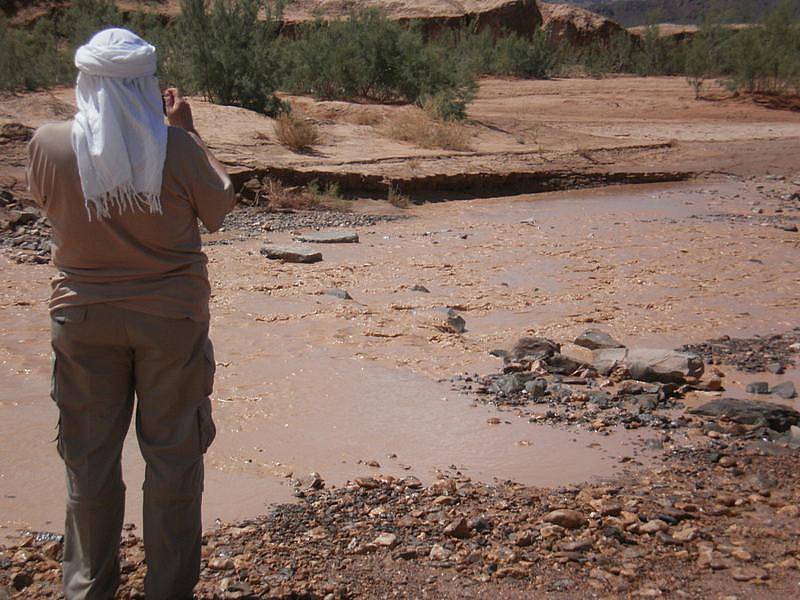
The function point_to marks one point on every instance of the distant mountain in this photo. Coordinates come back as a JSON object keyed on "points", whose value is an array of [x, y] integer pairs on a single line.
{"points": [[642, 12]]}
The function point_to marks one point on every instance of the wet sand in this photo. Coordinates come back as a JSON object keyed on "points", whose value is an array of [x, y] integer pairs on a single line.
{"points": [[307, 382]]}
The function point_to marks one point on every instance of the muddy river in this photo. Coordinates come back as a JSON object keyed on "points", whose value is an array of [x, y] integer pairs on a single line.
{"points": [[309, 382]]}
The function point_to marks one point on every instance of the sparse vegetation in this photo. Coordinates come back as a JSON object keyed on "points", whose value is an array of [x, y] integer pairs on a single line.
{"points": [[295, 132], [397, 199], [367, 56], [414, 125], [219, 48]]}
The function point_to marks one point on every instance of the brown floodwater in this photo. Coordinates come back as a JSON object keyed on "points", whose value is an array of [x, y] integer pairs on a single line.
{"points": [[307, 382]]}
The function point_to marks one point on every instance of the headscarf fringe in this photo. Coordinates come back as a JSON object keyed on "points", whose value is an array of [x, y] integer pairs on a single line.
{"points": [[124, 198]]}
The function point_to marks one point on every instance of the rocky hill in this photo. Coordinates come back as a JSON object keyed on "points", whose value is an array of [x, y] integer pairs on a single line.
{"points": [[578, 26], [640, 12], [521, 16]]}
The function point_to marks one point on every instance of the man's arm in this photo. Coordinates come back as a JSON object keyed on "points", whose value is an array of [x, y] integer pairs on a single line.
{"points": [[211, 188], [179, 114]]}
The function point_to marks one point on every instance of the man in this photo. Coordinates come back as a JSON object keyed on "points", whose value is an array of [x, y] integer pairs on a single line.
{"points": [[129, 311]]}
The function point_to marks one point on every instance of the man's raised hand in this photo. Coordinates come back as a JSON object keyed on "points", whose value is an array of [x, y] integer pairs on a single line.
{"points": [[178, 111]]}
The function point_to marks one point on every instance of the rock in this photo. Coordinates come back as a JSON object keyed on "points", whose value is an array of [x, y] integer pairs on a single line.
{"points": [[433, 16], [758, 387], [533, 348], [443, 319], [581, 545], [15, 132], [775, 367], [439, 553], [294, 254], [749, 573], [310, 482], [367, 483], [511, 383], [649, 364], [220, 564], [750, 412], [536, 388], [420, 288], [338, 293], [594, 339], [576, 26], [458, 529], [562, 365], [386, 540], [653, 526], [785, 390], [687, 534], [577, 353], [329, 237], [566, 518]]}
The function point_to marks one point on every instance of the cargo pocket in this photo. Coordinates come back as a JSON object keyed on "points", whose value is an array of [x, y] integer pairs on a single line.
{"points": [[70, 314], [208, 431]]}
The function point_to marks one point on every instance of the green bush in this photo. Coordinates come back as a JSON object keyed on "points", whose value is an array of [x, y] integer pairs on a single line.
{"points": [[30, 59], [765, 58], [367, 56], [226, 52], [511, 54], [515, 55]]}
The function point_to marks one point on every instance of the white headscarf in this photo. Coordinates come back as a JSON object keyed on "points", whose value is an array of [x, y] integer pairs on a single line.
{"points": [[119, 135]]}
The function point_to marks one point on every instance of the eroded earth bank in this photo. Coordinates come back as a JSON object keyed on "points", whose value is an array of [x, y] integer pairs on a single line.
{"points": [[411, 416]]}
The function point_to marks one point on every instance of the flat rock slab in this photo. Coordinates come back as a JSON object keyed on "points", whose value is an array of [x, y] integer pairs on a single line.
{"points": [[295, 254], [329, 237], [750, 412], [649, 364]]}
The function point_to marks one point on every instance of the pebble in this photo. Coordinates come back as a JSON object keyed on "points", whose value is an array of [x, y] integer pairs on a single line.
{"points": [[566, 518]]}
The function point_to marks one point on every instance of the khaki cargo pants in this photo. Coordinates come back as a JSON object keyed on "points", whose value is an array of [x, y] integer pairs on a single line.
{"points": [[104, 355]]}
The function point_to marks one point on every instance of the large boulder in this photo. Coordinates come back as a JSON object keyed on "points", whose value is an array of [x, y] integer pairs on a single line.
{"points": [[750, 412], [577, 26], [649, 364], [435, 16]]}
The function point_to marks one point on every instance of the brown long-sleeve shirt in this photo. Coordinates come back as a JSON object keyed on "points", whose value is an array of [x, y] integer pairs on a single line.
{"points": [[145, 262]]}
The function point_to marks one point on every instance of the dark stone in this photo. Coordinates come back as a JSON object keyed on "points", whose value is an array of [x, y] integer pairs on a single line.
{"points": [[758, 387], [329, 237], [534, 348], [750, 412], [536, 388], [785, 390], [562, 365], [775, 367], [420, 288], [296, 254], [21, 580], [594, 340], [512, 383], [338, 293]]}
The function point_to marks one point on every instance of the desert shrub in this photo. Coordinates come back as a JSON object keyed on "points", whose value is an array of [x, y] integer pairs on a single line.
{"points": [[703, 55], [29, 59], [296, 133], [511, 54], [47, 49], [766, 58], [397, 199], [414, 125], [516, 55], [367, 56], [444, 106], [224, 50]]}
